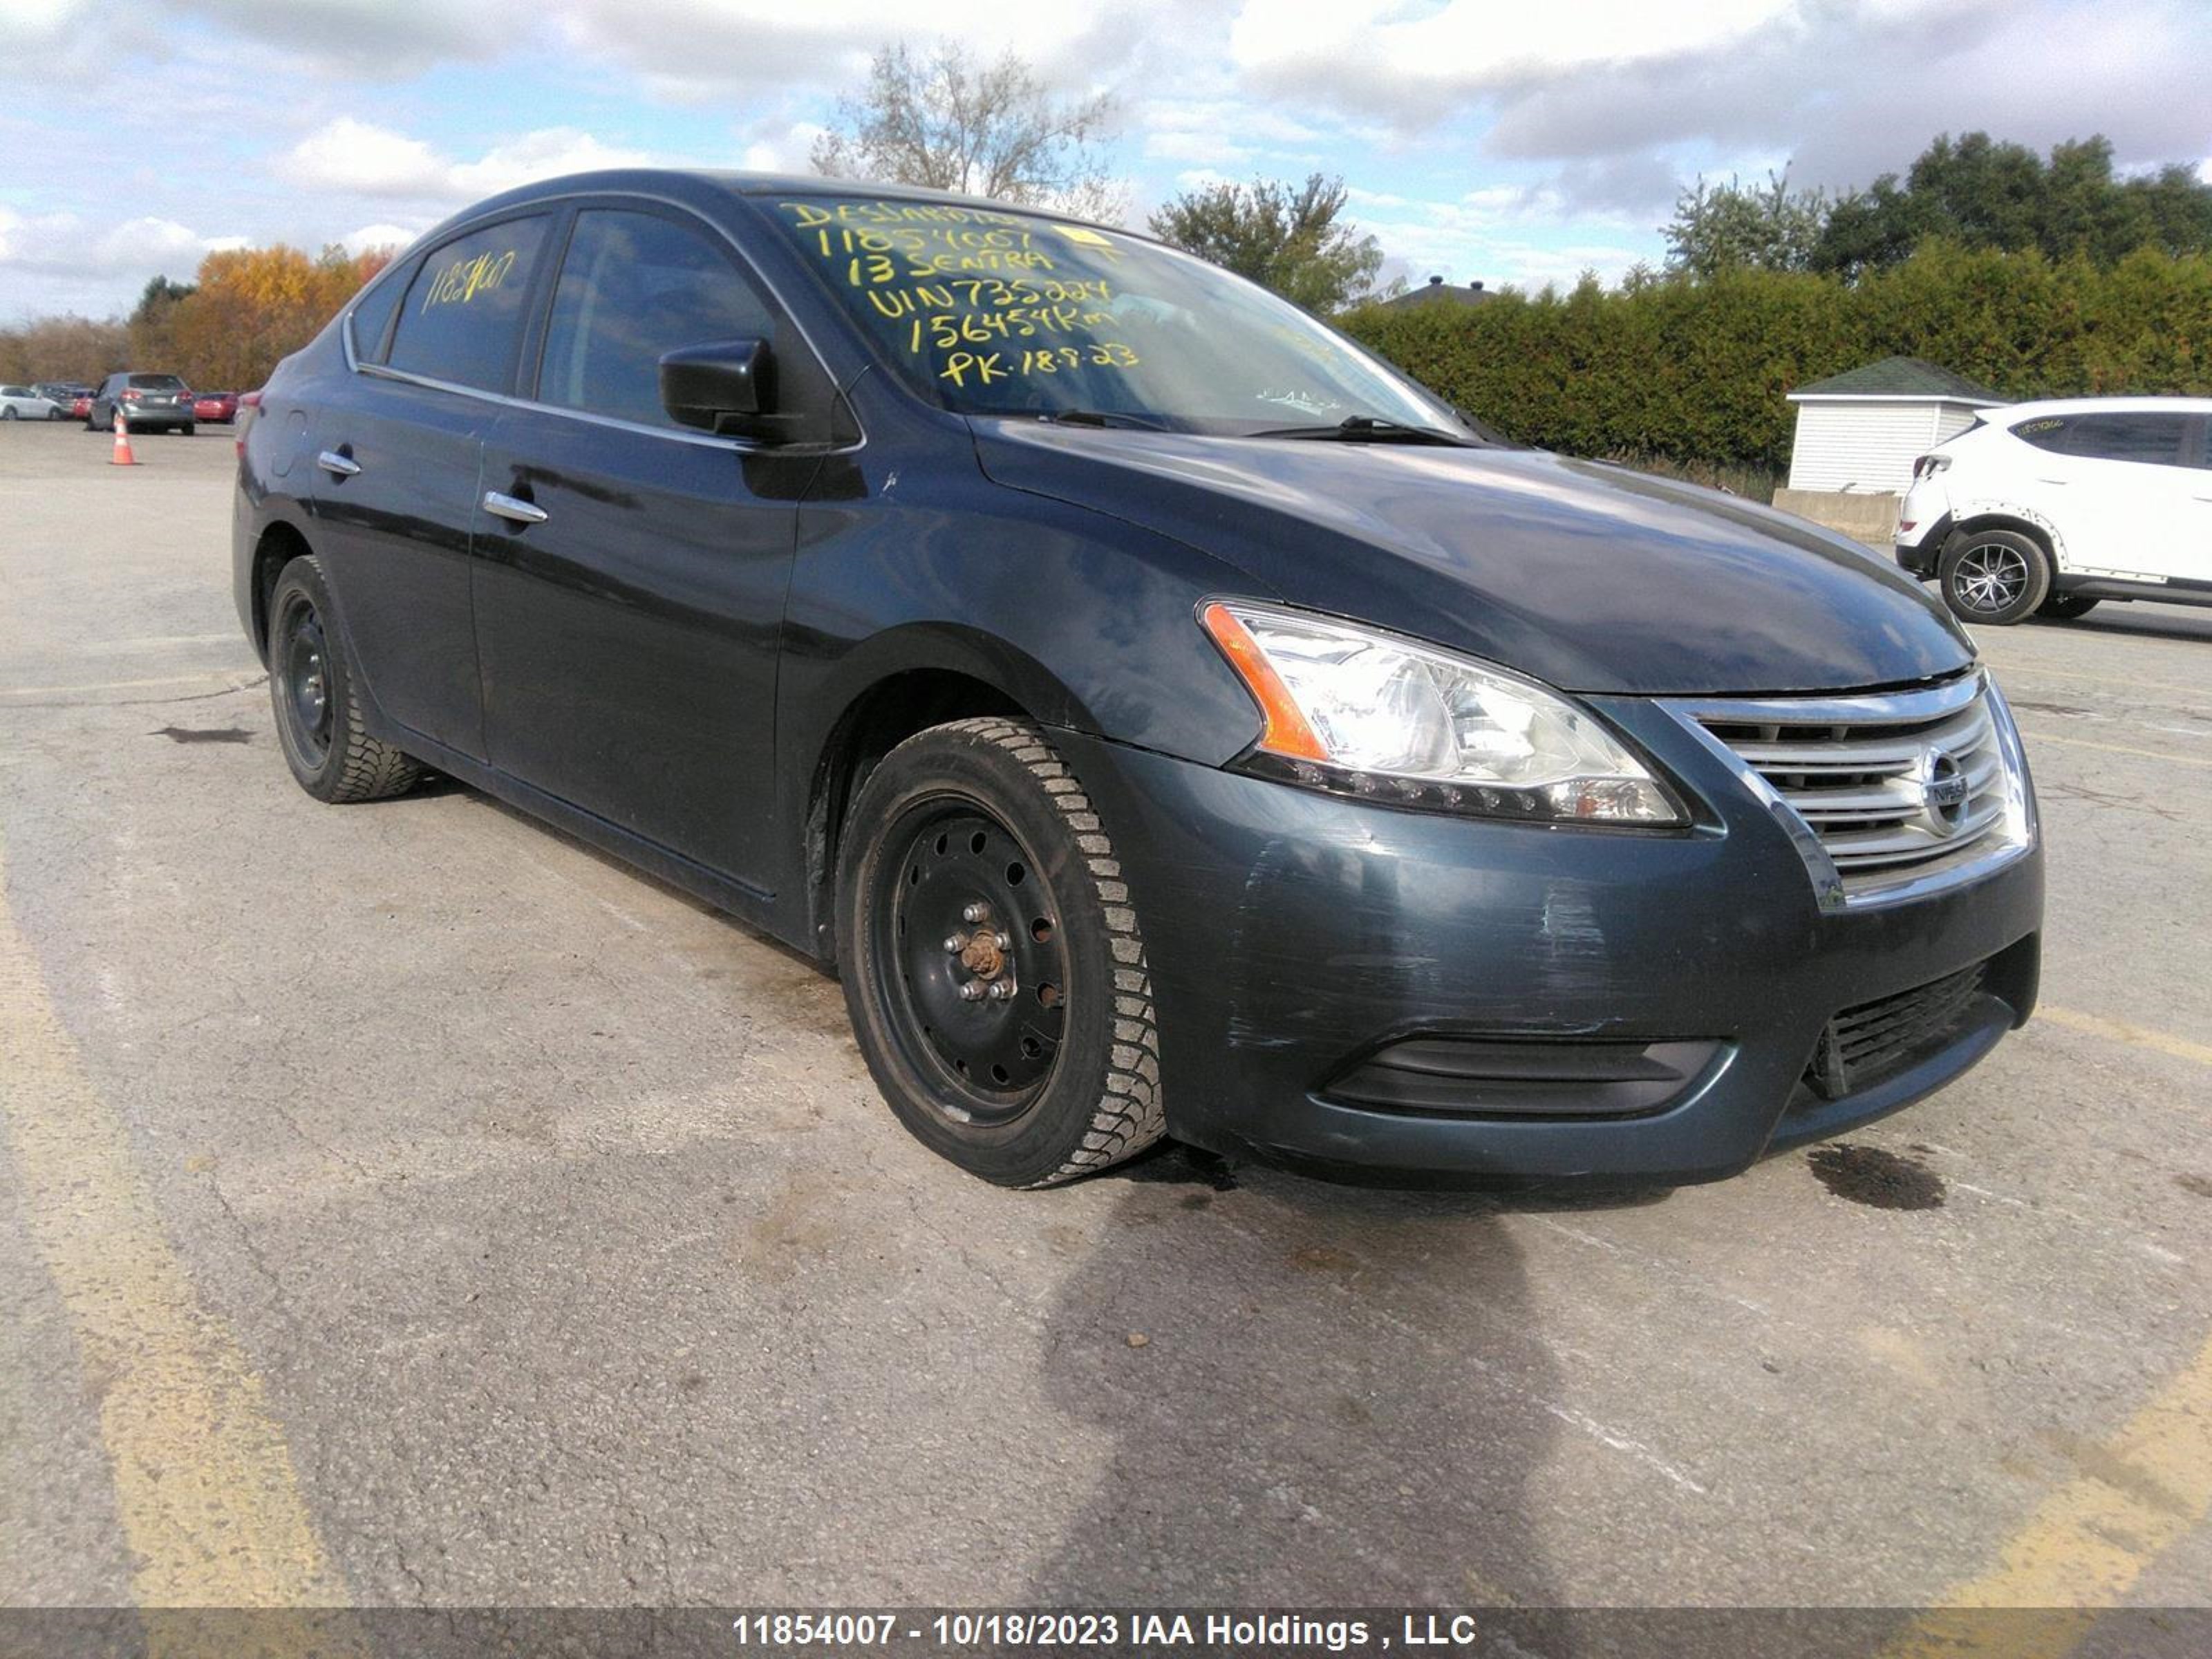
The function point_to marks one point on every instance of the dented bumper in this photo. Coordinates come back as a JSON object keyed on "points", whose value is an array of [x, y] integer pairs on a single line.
{"points": [[1354, 987]]}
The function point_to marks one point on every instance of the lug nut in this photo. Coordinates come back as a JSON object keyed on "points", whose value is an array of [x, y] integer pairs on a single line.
{"points": [[955, 944], [976, 913], [1001, 989], [971, 991]]}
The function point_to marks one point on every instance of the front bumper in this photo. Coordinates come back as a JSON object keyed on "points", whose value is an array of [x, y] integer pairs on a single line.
{"points": [[1292, 934]]}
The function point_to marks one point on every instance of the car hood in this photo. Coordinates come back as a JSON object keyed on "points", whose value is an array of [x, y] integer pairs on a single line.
{"points": [[1592, 577]]}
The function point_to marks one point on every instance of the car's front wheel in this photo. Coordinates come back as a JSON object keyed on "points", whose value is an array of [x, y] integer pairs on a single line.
{"points": [[992, 960], [1994, 577], [314, 689]]}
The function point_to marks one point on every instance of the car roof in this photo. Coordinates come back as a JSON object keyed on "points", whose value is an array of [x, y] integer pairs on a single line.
{"points": [[650, 179], [2049, 407]]}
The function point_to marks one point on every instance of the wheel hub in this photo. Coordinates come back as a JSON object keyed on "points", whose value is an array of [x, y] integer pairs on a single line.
{"points": [[970, 938]]}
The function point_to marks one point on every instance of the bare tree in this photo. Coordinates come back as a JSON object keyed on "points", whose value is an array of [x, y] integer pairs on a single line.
{"points": [[1283, 236], [950, 123]]}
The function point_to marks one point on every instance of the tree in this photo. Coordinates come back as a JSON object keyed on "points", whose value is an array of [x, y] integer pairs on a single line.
{"points": [[1981, 193], [152, 341], [949, 122], [254, 306], [1738, 227], [1283, 237]]}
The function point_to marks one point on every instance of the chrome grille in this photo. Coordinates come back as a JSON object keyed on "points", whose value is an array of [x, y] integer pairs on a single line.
{"points": [[1886, 791]]}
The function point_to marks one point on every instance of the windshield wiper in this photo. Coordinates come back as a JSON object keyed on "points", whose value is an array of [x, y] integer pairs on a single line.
{"points": [[1099, 417], [1369, 429]]}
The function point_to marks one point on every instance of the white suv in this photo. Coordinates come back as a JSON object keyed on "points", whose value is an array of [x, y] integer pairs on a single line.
{"points": [[2047, 507]]}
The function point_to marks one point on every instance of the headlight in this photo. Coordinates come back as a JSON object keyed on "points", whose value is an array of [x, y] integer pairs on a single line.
{"points": [[1364, 713]]}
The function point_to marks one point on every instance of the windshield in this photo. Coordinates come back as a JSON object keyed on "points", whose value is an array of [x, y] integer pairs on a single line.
{"points": [[156, 383], [989, 311]]}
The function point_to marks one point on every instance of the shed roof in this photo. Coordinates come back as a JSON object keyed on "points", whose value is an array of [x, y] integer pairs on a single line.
{"points": [[1437, 291], [1902, 377]]}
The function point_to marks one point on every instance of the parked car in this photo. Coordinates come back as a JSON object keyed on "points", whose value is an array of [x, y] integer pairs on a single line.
{"points": [[2048, 509], [62, 394], [1165, 716], [150, 403], [21, 403], [220, 407]]}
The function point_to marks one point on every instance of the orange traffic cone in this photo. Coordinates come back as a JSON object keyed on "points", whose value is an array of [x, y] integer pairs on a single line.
{"points": [[122, 456]]}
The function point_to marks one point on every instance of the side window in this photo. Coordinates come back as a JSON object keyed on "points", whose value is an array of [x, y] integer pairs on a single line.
{"points": [[634, 286], [2154, 440], [373, 314], [2047, 432], [463, 312]]}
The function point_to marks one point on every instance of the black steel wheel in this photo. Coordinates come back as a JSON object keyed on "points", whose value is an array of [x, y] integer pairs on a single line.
{"points": [[967, 948], [301, 672], [1994, 577], [317, 708], [991, 958]]}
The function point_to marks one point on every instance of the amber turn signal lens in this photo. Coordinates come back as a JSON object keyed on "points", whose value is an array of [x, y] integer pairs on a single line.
{"points": [[1286, 731]]}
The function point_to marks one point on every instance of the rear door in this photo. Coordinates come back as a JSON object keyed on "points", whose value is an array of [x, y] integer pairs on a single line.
{"points": [[2124, 497], [396, 457], [629, 585]]}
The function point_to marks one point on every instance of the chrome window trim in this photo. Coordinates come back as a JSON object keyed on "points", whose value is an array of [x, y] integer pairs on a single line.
{"points": [[1903, 708], [520, 210]]}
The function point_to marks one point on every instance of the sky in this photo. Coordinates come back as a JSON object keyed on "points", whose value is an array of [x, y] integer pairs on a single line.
{"points": [[1505, 141]]}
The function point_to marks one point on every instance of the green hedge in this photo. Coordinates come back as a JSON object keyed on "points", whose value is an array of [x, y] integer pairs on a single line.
{"points": [[1700, 372]]}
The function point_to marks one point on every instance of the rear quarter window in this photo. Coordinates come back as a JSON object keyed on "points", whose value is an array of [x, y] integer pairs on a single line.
{"points": [[463, 312], [371, 319]]}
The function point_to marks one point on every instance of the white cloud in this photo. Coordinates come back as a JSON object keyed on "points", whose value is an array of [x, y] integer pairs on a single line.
{"points": [[356, 158], [360, 159], [381, 234], [66, 243], [1464, 46]]}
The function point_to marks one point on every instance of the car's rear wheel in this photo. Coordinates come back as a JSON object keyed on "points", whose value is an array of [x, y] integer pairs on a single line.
{"points": [[1994, 577], [186, 429], [314, 688], [7, 412], [2065, 607], [992, 960]]}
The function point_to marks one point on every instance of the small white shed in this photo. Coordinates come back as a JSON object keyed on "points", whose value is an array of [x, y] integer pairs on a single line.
{"points": [[1860, 432]]}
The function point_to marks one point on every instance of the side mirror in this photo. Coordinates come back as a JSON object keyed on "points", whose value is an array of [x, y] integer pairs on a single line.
{"points": [[724, 386]]}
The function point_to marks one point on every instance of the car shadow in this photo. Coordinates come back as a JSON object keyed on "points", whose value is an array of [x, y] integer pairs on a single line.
{"points": [[1288, 1394], [2141, 621]]}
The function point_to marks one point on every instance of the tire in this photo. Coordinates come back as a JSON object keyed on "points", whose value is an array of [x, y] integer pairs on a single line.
{"points": [[186, 429], [1994, 577], [8, 413], [2065, 607], [313, 688], [1057, 1077]]}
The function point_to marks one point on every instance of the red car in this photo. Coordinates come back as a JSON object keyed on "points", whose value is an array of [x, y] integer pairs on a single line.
{"points": [[219, 406]]}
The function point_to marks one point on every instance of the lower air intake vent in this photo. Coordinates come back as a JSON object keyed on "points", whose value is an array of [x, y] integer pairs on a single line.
{"points": [[1485, 1077], [1863, 1045]]}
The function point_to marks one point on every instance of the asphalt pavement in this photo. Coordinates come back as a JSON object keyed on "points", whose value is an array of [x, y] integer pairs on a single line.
{"points": [[401, 1204]]}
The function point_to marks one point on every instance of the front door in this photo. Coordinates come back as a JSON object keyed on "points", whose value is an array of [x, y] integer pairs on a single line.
{"points": [[629, 576]]}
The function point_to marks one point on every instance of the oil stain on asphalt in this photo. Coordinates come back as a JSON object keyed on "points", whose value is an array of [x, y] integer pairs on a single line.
{"points": [[204, 734], [1882, 1179]]}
